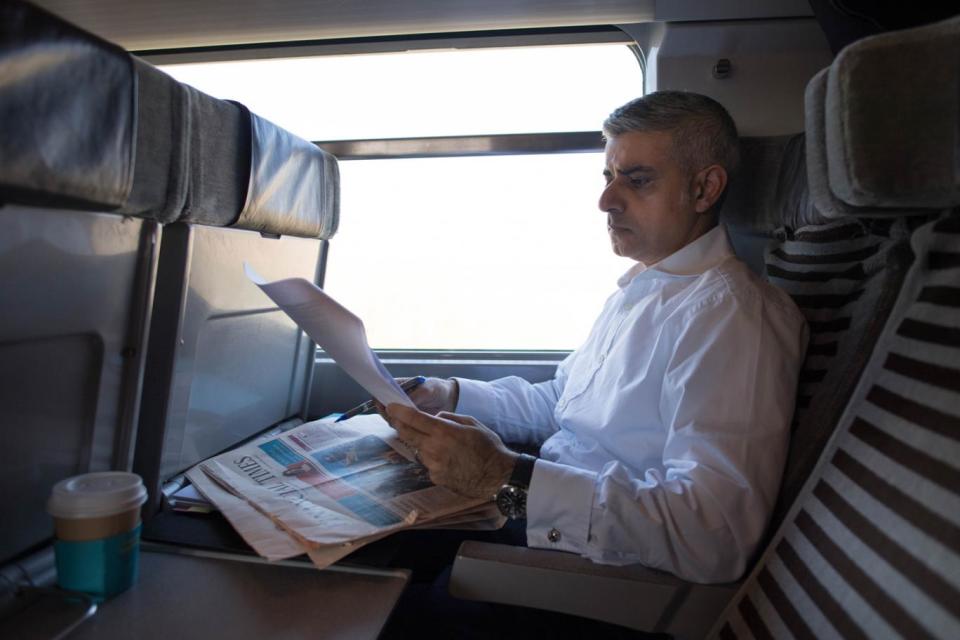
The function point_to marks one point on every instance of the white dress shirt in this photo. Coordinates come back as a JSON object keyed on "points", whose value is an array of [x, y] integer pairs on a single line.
{"points": [[665, 434]]}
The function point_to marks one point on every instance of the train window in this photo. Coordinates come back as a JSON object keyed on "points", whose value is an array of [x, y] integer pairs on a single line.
{"points": [[427, 93], [454, 250]]}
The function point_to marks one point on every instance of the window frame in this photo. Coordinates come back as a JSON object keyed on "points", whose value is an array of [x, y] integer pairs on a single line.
{"points": [[330, 389], [511, 144]]}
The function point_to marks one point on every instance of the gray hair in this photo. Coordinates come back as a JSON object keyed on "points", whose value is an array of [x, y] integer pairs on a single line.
{"points": [[703, 131]]}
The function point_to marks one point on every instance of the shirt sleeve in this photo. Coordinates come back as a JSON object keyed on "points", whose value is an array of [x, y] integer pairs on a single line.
{"points": [[518, 411], [726, 402]]}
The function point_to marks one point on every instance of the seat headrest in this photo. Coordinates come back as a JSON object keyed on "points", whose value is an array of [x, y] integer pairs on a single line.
{"points": [[68, 112], [247, 173], [244, 172], [87, 126], [883, 130], [294, 186], [769, 188]]}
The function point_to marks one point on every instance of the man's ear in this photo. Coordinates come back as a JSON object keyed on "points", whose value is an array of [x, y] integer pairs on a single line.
{"points": [[708, 185]]}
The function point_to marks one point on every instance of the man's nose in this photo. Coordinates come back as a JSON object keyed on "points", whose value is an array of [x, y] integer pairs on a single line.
{"points": [[610, 201]]}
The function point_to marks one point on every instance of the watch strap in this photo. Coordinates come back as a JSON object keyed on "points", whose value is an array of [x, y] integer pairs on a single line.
{"points": [[522, 471]]}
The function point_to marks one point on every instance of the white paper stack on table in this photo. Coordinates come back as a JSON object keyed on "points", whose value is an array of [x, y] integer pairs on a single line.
{"points": [[327, 488]]}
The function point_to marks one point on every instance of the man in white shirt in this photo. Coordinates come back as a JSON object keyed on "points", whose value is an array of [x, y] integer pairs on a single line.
{"points": [[665, 434]]}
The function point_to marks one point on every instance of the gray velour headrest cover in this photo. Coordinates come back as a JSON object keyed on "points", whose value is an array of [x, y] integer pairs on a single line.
{"points": [[892, 119], [294, 186], [160, 176], [67, 112], [219, 159], [769, 188], [816, 145]]}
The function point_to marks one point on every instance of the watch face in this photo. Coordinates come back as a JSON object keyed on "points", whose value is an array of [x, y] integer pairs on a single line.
{"points": [[512, 501]]}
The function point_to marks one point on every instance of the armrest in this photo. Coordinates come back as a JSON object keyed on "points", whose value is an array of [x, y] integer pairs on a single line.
{"points": [[632, 596]]}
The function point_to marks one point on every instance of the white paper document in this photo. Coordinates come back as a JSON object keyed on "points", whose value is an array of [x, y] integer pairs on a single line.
{"points": [[338, 332]]}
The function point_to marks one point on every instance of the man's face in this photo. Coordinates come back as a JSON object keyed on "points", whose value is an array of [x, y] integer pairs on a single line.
{"points": [[649, 199]]}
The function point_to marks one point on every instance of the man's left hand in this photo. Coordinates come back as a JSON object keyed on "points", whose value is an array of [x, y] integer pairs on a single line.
{"points": [[461, 454]]}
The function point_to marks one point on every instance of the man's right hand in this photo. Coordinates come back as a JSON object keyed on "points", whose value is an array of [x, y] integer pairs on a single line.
{"points": [[435, 395]]}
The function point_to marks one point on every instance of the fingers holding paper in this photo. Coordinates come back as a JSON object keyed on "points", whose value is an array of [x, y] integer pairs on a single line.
{"points": [[461, 453], [432, 396], [436, 395]]}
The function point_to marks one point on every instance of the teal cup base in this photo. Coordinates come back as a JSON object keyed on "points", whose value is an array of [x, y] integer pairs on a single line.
{"points": [[100, 568]]}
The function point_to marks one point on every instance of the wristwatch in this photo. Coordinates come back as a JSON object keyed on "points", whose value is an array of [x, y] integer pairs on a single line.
{"points": [[511, 499]]}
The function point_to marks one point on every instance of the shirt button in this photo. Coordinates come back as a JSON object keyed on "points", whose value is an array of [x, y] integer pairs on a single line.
{"points": [[602, 357], [553, 535]]}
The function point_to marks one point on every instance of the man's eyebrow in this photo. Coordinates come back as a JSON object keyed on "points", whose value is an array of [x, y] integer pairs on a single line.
{"points": [[628, 171], [640, 168]]}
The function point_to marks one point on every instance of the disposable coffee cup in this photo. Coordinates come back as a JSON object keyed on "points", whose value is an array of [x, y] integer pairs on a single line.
{"points": [[97, 522]]}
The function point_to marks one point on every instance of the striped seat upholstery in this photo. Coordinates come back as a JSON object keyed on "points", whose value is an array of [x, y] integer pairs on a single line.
{"points": [[826, 269], [842, 272], [872, 547], [843, 275]]}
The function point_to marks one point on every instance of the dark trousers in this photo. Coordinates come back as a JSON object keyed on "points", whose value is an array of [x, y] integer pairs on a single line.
{"points": [[427, 610]]}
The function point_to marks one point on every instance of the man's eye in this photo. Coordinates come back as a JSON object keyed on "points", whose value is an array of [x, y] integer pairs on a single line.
{"points": [[639, 182]]}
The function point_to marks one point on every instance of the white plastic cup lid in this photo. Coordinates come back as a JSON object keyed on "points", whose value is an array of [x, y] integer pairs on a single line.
{"points": [[94, 495]]}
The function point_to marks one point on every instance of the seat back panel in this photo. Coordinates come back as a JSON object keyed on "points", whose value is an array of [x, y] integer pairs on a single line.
{"points": [[224, 362], [70, 355]]}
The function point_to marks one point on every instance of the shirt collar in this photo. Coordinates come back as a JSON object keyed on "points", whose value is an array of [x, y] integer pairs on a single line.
{"points": [[705, 252]]}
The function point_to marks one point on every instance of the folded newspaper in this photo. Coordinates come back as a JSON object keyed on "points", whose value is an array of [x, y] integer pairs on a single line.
{"points": [[326, 488]]}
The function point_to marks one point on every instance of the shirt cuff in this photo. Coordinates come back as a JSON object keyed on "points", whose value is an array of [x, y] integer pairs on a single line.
{"points": [[476, 399], [559, 505]]}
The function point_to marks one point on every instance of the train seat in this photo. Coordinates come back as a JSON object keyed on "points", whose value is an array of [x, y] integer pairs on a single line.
{"points": [[224, 363], [80, 211], [129, 336], [870, 547]]}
